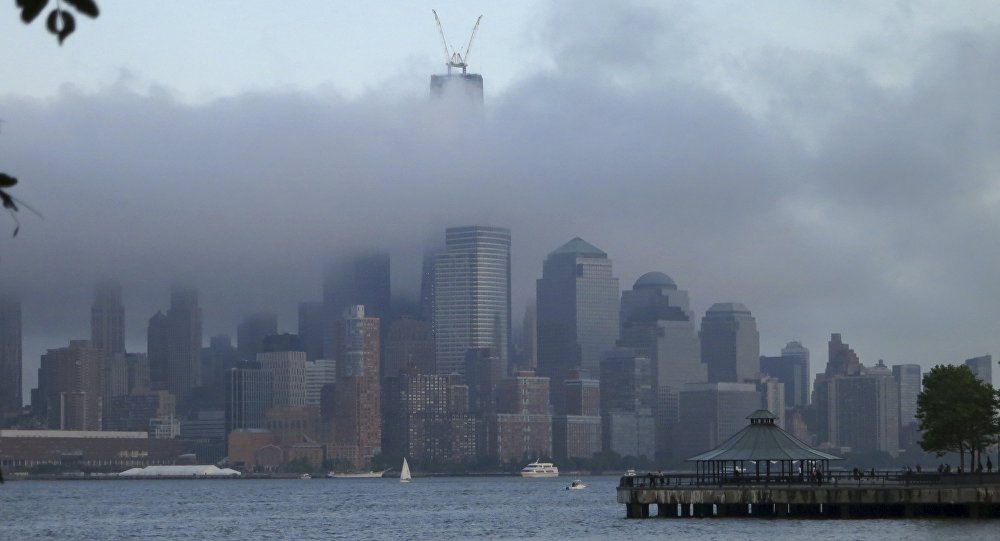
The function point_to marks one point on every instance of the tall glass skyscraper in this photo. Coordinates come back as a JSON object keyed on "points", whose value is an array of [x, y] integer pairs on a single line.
{"points": [[730, 344], [578, 304], [471, 304]]}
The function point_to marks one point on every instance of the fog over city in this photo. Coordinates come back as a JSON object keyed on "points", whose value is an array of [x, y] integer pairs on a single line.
{"points": [[853, 188]]}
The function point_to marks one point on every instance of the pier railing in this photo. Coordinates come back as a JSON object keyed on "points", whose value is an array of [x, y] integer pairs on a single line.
{"points": [[832, 478]]}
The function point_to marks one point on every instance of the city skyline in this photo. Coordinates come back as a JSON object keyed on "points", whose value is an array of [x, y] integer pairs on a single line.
{"points": [[792, 170]]}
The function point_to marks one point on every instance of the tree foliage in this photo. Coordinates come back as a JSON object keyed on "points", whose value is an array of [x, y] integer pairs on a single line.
{"points": [[957, 412], [60, 21]]}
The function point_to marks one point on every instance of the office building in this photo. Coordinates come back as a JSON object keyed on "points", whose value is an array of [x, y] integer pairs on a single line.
{"points": [[578, 433], [657, 323], [362, 280], [730, 344], [409, 342], [248, 396], [107, 319], [357, 435], [471, 301], [909, 383], [251, 332], [791, 369], [288, 376], [319, 374], [70, 384], [10, 358], [982, 367], [311, 329], [712, 412], [578, 310], [627, 402], [183, 343]]}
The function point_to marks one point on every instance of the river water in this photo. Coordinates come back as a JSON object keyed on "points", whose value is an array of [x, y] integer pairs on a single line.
{"points": [[427, 508]]}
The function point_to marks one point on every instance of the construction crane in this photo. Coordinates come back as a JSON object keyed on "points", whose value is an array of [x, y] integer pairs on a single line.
{"points": [[452, 58]]}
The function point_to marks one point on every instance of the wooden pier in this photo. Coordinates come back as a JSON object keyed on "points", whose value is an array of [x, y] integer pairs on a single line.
{"points": [[885, 495]]}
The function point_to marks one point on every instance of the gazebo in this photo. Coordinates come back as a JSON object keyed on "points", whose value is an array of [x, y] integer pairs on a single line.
{"points": [[761, 444]]}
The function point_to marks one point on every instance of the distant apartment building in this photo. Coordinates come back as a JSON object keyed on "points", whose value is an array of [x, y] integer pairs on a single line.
{"points": [[578, 432], [577, 313], [522, 425], [70, 385], [356, 395], [434, 419]]}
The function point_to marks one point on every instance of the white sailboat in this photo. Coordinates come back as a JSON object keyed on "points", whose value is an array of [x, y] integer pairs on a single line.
{"points": [[404, 474]]}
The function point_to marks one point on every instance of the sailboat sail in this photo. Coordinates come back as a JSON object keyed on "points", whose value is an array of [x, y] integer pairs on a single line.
{"points": [[404, 475]]}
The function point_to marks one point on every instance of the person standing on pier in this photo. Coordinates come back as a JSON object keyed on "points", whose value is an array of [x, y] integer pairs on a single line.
{"points": [[989, 465]]}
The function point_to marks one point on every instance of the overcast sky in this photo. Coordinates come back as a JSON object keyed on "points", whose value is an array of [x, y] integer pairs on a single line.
{"points": [[835, 166]]}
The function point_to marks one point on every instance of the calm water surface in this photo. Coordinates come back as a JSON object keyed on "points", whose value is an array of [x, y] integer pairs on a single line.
{"points": [[441, 508]]}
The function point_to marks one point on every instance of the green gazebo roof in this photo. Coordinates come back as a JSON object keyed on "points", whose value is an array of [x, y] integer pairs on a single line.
{"points": [[762, 440]]}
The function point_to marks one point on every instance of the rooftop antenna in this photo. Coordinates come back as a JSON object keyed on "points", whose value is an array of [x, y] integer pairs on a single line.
{"points": [[452, 58]]}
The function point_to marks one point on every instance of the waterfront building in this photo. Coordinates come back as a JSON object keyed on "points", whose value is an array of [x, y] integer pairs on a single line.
{"points": [[577, 313], [251, 332], [471, 301], [657, 323], [21, 450], [730, 344], [10, 358]]}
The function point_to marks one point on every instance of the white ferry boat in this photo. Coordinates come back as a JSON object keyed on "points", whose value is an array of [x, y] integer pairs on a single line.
{"points": [[540, 469]]}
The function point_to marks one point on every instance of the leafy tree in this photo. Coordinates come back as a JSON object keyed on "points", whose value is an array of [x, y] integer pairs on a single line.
{"points": [[957, 412]]}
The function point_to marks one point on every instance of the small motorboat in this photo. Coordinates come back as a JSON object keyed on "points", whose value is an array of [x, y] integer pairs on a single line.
{"points": [[305, 476], [576, 485]]}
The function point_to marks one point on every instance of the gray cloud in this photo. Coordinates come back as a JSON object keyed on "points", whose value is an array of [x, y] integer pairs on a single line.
{"points": [[844, 205]]}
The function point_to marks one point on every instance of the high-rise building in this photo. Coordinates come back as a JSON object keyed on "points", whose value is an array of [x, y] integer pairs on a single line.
{"points": [[909, 381], [10, 357], [471, 302], [458, 88], [288, 376], [982, 367], [427, 285], [730, 344], [522, 425], [530, 336], [791, 369], [434, 419], [357, 434], [363, 280], [107, 319], [157, 345], [577, 434], [409, 342], [70, 382], [627, 402], [657, 323], [856, 407], [712, 412], [183, 343], [311, 329], [251, 332], [319, 374], [248, 396], [578, 310], [216, 360]]}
